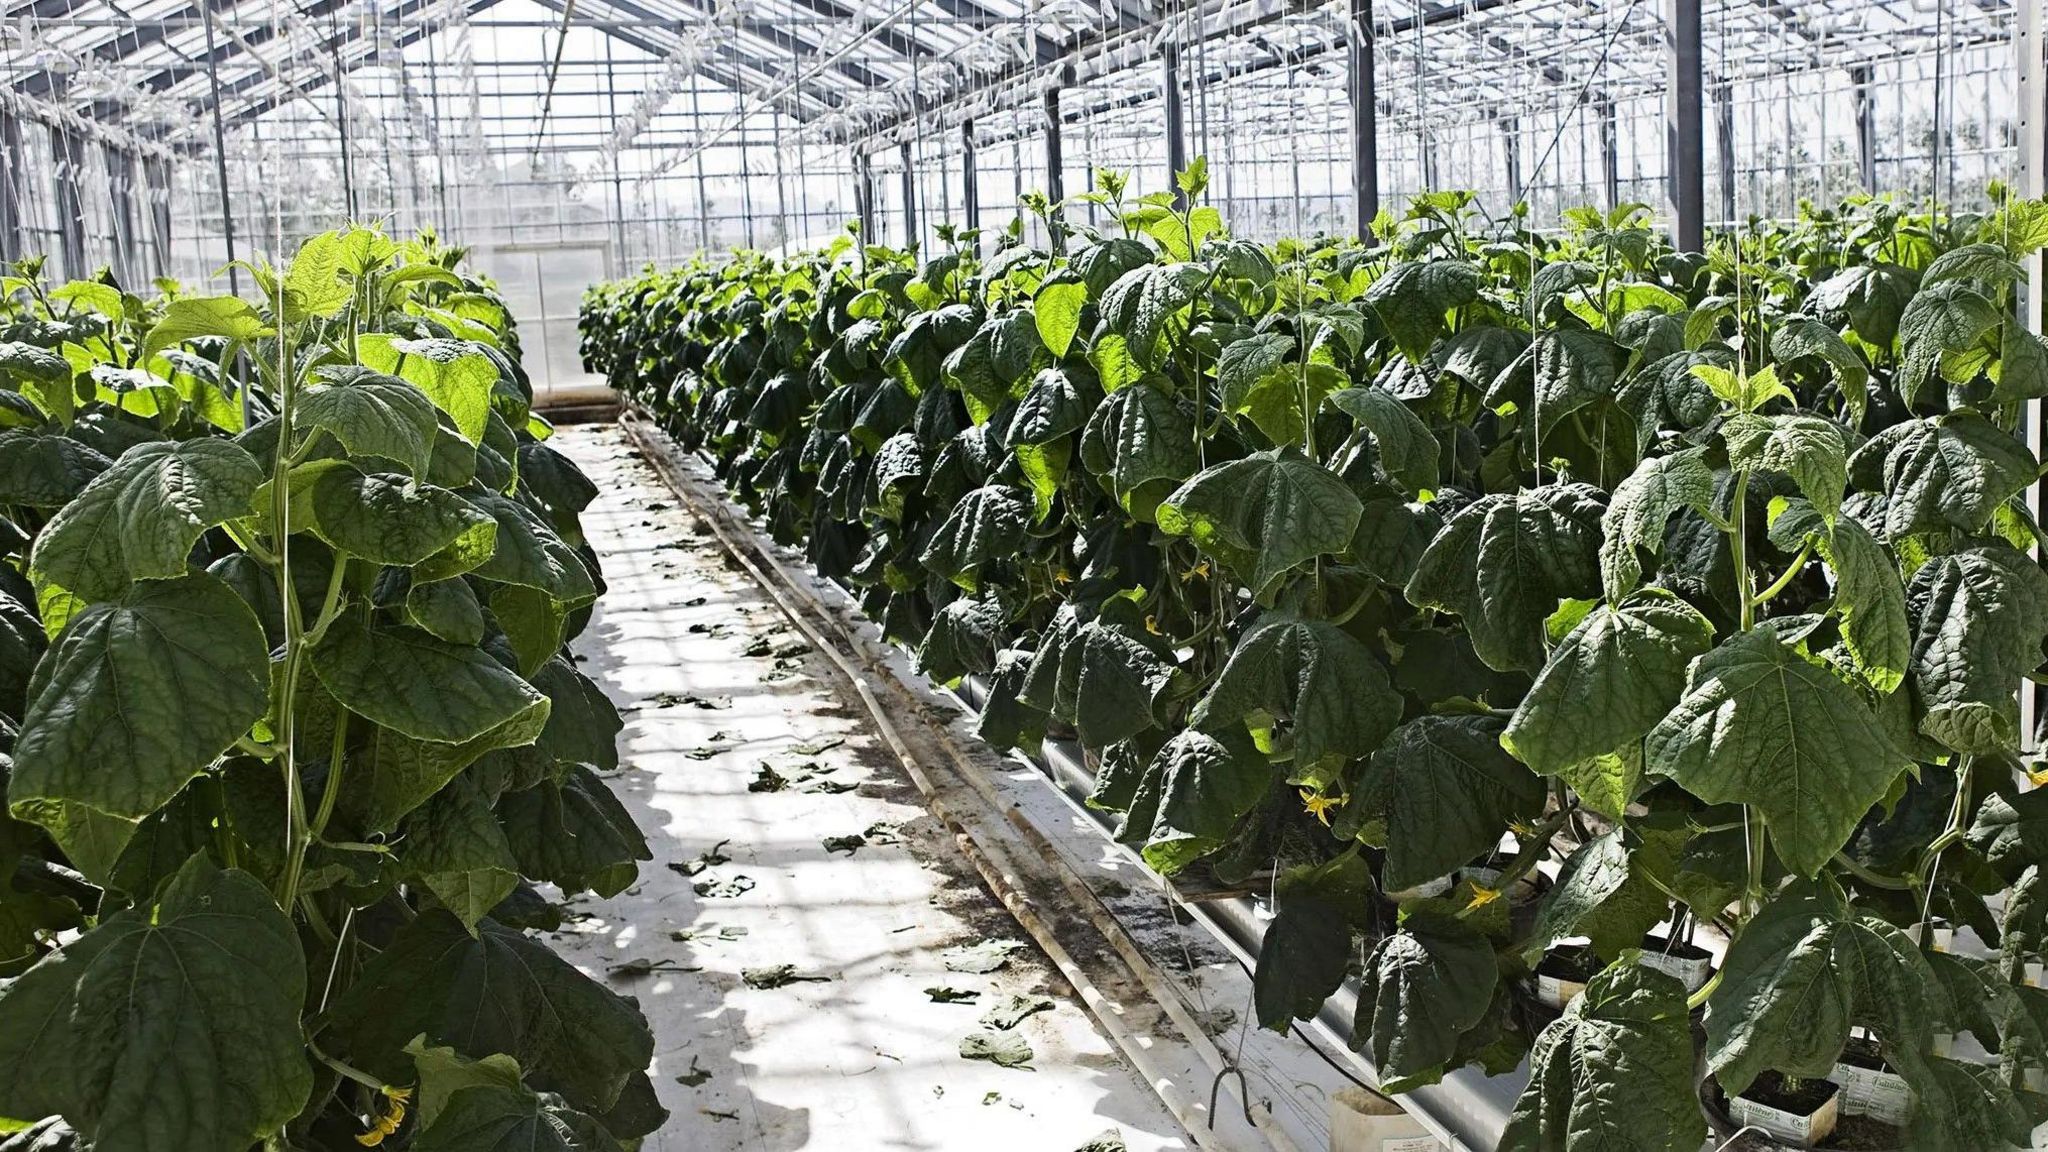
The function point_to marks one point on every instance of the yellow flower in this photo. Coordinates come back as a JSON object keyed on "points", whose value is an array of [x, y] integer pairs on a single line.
{"points": [[1481, 897], [1201, 569], [1152, 624], [388, 1123], [1321, 806]]}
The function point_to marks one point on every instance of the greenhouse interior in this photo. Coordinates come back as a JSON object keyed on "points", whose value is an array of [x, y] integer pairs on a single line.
{"points": [[1057, 575]]}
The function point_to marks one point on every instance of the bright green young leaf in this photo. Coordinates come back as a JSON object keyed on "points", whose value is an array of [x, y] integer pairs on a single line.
{"points": [[1744, 391], [199, 316], [1503, 563], [1812, 451], [457, 376], [1614, 1074], [139, 695], [1264, 514], [313, 285], [140, 518], [1446, 789], [1057, 312], [1763, 724], [172, 1027], [1869, 597]]}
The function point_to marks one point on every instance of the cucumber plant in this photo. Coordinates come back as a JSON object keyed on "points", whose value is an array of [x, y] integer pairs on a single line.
{"points": [[292, 731]]}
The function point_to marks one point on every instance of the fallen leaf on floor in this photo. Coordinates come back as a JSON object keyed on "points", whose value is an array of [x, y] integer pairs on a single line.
{"points": [[656, 506], [991, 1097], [694, 1076], [767, 779], [775, 976], [1005, 1048], [846, 844], [715, 1114], [643, 966], [724, 889], [982, 957], [1110, 1141], [883, 832], [717, 631], [708, 703], [710, 859], [791, 648], [694, 601], [813, 747], [1011, 1010], [709, 933], [947, 994], [720, 742], [760, 647], [830, 787]]}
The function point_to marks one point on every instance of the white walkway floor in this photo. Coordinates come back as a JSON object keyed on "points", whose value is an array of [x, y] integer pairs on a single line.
{"points": [[718, 697]]}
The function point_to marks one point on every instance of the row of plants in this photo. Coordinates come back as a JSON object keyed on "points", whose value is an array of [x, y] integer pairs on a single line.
{"points": [[291, 733], [1532, 614]]}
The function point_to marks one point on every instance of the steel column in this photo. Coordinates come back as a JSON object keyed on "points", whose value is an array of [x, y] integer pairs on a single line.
{"points": [[1511, 141], [1866, 127], [970, 179], [2030, 39], [1176, 130], [1365, 112], [1724, 145], [12, 162], [156, 177], [68, 174], [864, 197], [910, 236], [1610, 155], [1684, 127], [1055, 177]]}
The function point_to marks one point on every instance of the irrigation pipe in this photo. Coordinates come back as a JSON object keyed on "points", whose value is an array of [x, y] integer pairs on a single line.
{"points": [[990, 859]]}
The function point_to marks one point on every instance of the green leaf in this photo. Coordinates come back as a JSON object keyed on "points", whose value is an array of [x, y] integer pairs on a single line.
{"points": [[1244, 363], [139, 695], [1264, 514], [455, 374], [1944, 317], [1195, 791], [495, 992], [1126, 680], [1943, 471], [1765, 725], [2022, 369], [1614, 1073], [1056, 404], [1806, 969], [1412, 297], [446, 608], [1423, 988], [1316, 676], [384, 518], [1447, 791], [1869, 598], [574, 834], [1142, 300], [454, 845], [1799, 338], [408, 681], [990, 523], [583, 727], [1406, 450], [313, 284], [1056, 310], [398, 773], [1503, 563], [2011, 832], [1641, 509], [1607, 683], [527, 552], [1143, 443], [172, 1027], [1743, 390], [198, 316], [140, 518], [485, 1108], [1601, 893], [1812, 451], [45, 470], [1307, 947], [371, 415], [1979, 618]]}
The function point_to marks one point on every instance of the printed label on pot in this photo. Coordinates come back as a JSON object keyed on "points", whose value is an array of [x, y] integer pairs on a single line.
{"points": [[1425, 891], [1556, 992], [1783, 1125], [1411, 1144], [1873, 1092], [1692, 971], [1485, 876]]}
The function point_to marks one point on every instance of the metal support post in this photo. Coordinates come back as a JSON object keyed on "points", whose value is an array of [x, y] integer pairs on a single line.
{"points": [[2030, 39], [1511, 141], [1055, 176], [156, 177], [864, 197], [910, 236], [970, 179], [1365, 126], [1610, 155], [1176, 130], [1866, 127], [122, 176], [1724, 145], [69, 175], [12, 163], [1684, 128]]}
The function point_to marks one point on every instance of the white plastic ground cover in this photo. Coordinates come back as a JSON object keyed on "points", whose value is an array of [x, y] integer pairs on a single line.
{"points": [[861, 1057]]}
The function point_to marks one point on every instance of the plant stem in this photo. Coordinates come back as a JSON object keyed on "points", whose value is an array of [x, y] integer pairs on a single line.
{"points": [[1784, 581]]}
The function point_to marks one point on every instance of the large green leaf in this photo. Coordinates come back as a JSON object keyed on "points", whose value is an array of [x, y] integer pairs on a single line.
{"points": [[1601, 893], [385, 518], [457, 849], [1642, 507], [1423, 988], [1806, 969], [1943, 317], [574, 834], [1264, 514], [1812, 451], [1980, 616], [45, 470], [456, 375], [395, 773], [483, 1107], [1763, 724], [1406, 449], [527, 552], [140, 518], [1869, 598], [1307, 948], [198, 316], [1942, 472], [1411, 298], [1314, 675], [495, 992], [1194, 792], [1446, 791], [1607, 683], [422, 687], [990, 523], [172, 1027], [1503, 563], [372, 415], [1141, 301], [1143, 444], [139, 695], [583, 727], [1056, 310], [1614, 1073]]}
